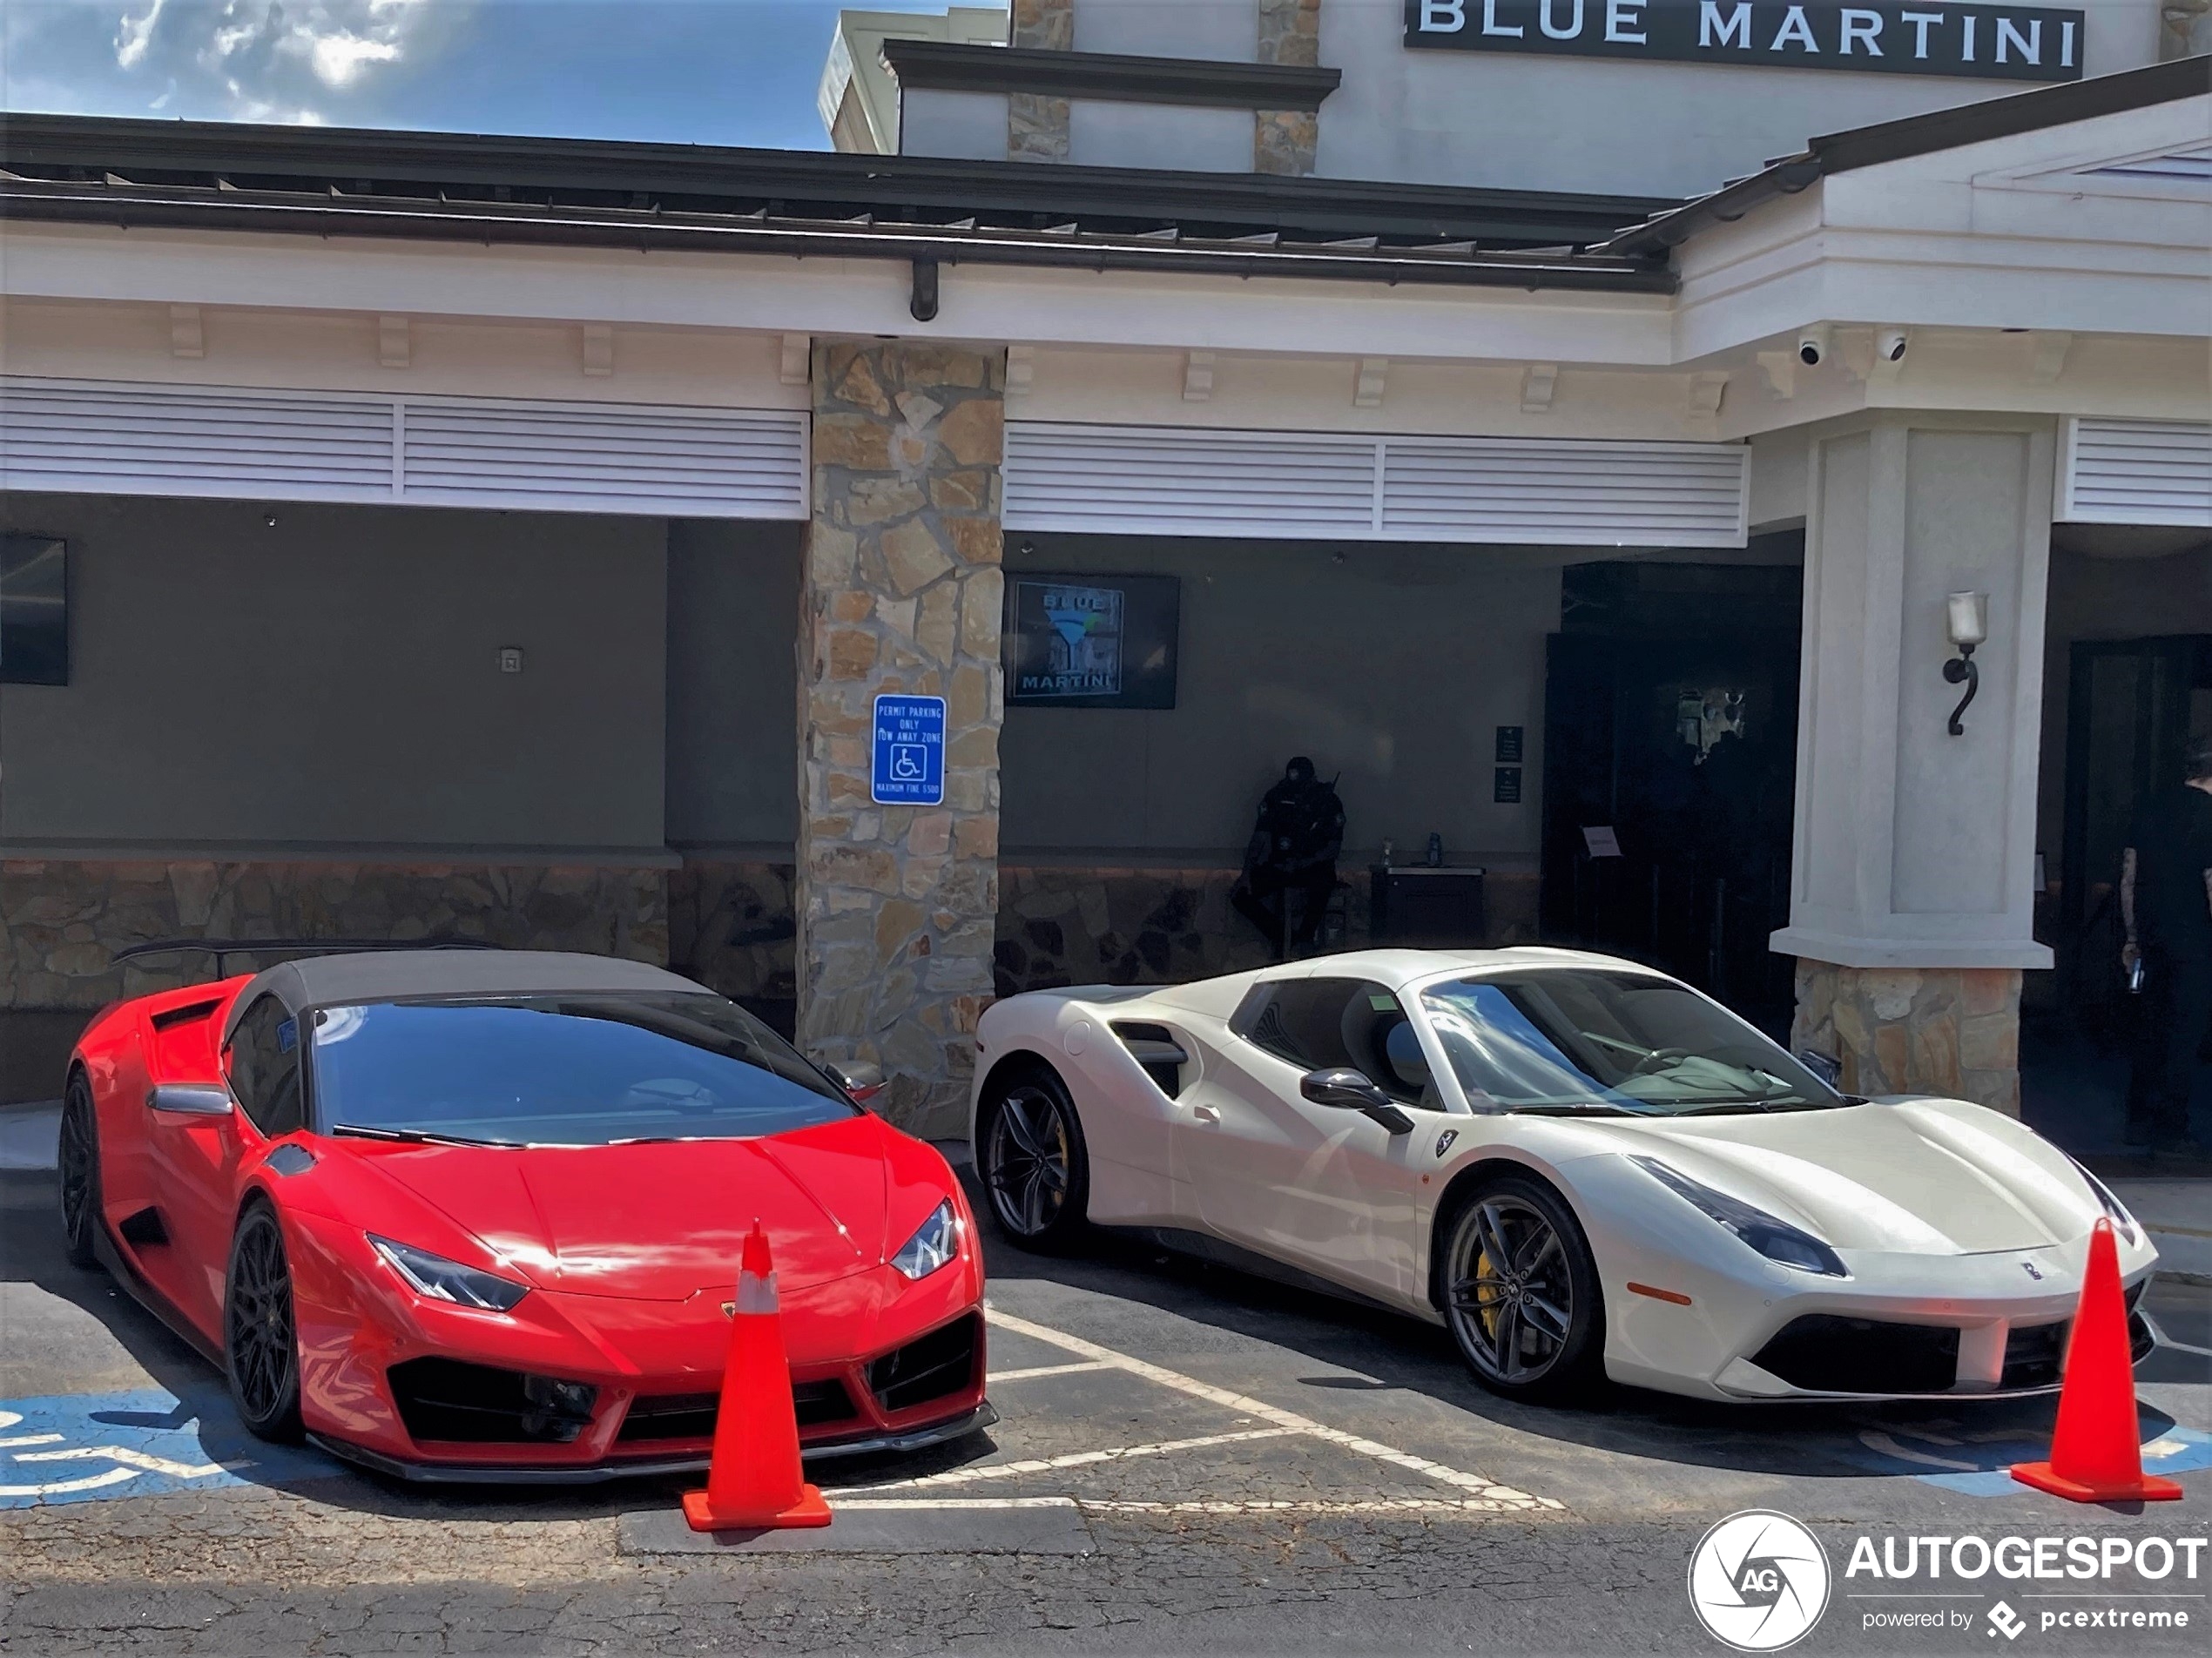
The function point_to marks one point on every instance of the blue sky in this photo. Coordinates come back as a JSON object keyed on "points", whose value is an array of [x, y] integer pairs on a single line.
{"points": [[695, 71]]}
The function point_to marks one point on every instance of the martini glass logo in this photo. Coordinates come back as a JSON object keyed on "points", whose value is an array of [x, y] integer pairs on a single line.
{"points": [[1758, 1580]]}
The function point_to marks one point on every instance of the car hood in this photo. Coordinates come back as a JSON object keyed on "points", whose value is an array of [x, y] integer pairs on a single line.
{"points": [[661, 1221], [1931, 1177]]}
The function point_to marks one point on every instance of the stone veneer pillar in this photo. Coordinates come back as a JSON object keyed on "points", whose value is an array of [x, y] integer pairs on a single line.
{"points": [[902, 593], [1037, 124], [1286, 141], [1911, 905]]}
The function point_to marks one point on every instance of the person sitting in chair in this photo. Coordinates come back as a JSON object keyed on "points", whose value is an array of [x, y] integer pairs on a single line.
{"points": [[1293, 849]]}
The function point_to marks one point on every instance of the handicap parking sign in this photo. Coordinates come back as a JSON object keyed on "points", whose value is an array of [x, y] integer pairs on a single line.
{"points": [[910, 769]]}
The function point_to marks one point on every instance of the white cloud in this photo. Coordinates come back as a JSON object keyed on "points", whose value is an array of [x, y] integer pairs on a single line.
{"points": [[133, 35], [275, 60]]}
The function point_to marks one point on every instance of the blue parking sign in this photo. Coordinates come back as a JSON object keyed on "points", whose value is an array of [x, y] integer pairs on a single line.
{"points": [[910, 769]]}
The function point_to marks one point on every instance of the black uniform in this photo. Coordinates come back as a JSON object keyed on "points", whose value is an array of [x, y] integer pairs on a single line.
{"points": [[2173, 844], [1293, 848]]}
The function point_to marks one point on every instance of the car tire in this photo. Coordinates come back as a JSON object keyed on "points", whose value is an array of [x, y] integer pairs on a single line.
{"points": [[1031, 1157], [1534, 1331], [78, 1162], [261, 1342]]}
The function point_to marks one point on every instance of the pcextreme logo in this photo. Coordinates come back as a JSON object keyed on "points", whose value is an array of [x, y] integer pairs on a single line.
{"points": [[1758, 1580]]}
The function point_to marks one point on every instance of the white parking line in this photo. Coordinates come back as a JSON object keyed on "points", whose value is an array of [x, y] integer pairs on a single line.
{"points": [[1290, 1421], [144, 1461], [1094, 1505], [1035, 1371], [1078, 1460]]}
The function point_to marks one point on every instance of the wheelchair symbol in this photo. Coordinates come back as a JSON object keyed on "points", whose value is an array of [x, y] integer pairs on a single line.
{"points": [[909, 762]]}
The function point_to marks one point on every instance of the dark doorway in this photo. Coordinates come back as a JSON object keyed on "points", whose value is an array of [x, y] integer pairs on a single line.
{"points": [[2129, 710], [1671, 721]]}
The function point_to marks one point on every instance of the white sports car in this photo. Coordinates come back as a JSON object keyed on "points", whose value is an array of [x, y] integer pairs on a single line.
{"points": [[1578, 1165]]}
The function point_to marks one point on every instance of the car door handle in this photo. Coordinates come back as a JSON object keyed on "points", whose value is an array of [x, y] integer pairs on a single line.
{"points": [[1205, 1113]]}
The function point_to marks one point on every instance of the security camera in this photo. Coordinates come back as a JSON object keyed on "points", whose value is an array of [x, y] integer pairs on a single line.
{"points": [[1890, 343], [1812, 345]]}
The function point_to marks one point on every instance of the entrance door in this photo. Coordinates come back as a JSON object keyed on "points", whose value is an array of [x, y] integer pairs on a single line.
{"points": [[1675, 728], [2132, 705]]}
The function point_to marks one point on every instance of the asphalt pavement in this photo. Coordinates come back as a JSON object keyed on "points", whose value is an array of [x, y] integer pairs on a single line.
{"points": [[1190, 1460]]}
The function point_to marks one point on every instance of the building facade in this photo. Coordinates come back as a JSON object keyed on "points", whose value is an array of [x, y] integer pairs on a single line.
{"points": [[512, 538]]}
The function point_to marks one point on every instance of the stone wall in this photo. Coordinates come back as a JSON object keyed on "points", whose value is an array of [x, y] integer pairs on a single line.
{"points": [[1036, 126], [902, 593], [1949, 1031], [61, 923], [1286, 141], [730, 926]]}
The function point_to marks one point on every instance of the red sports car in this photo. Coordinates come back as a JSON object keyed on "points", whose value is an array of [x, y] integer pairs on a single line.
{"points": [[475, 1214]]}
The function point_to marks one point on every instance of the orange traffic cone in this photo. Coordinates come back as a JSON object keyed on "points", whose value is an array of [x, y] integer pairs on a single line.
{"points": [[2097, 1453], [754, 1482]]}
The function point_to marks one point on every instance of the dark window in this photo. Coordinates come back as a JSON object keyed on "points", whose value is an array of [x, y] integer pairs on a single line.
{"points": [[1324, 1024], [264, 1066], [34, 610]]}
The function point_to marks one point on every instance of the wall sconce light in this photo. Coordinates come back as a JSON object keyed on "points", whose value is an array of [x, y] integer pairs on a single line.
{"points": [[1968, 617]]}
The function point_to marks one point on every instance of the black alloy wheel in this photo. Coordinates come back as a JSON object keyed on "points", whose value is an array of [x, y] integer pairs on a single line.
{"points": [[78, 1162], [1520, 1291], [260, 1347], [1034, 1163]]}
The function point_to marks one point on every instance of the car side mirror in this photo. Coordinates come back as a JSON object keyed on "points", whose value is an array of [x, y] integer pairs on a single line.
{"points": [[189, 1099], [1348, 1090], [861, 1080]]}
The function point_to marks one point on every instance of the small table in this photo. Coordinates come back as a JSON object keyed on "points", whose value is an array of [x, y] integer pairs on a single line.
{"points": [[1416, 905]]}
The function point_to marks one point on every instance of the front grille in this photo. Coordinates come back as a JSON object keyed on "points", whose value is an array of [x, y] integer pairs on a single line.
{"points": [[2032, 1355], [1837, 1355], [446, 1399], [691, 1416], [939, 1363]]}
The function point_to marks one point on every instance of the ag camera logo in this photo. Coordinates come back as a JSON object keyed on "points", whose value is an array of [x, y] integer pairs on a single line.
{"points": [[1758, 1580]]}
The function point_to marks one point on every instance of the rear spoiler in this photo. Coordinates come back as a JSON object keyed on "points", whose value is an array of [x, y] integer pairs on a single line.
{"points": [[220, 948]]}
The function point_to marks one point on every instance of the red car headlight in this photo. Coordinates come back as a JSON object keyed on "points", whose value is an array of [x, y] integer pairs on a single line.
{"points": [[438, 1279], [933, 1244]]}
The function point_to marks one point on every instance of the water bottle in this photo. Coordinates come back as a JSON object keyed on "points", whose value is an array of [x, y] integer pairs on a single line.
{"points": [[1435, 850]]}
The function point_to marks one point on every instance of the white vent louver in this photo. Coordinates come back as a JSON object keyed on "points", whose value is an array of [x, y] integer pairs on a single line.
{"points": [[122, 439], [2137, 472], [138, 439], [1306, 486], [703, 462]]}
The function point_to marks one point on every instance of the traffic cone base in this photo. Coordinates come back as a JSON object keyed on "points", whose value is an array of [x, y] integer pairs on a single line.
{"points": [[2096, 1449], [701, 1515], [2145, 1487]]}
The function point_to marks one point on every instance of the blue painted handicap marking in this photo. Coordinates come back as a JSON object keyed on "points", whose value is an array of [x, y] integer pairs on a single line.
{"points": [[1979, 1465], [83, 1447], [909, 758]]}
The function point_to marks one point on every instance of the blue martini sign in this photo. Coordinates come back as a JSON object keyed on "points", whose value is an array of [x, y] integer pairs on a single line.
{"points": [[909, 762], [1986, 42]]}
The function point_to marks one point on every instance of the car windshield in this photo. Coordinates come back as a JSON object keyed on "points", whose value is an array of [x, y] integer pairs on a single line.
{"points": [[568, 1069], [1583, 1040]]}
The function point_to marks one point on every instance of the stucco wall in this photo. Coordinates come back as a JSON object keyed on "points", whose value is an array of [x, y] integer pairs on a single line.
{"points": [[1391, 667], [732, 745], [1543, 123], [333, 681]]}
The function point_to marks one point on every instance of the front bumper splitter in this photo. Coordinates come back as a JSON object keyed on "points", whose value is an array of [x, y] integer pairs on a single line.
{"points": [[596, 1473]]}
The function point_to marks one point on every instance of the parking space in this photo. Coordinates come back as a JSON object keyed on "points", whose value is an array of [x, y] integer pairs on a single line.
{"points": [[1217, 1438]]}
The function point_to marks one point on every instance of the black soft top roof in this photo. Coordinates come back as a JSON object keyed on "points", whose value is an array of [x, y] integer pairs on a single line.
{"points": [[389, 975]]}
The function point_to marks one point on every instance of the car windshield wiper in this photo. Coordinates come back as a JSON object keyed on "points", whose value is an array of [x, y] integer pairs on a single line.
{"points": [[1574, 1108], [417, 1137]]}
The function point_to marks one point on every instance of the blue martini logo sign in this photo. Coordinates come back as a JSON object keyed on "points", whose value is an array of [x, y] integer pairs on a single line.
{"points": [[909, 763]]}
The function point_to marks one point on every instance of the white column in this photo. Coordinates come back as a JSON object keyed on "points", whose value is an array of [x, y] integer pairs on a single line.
{"points": [[1911, 910]]}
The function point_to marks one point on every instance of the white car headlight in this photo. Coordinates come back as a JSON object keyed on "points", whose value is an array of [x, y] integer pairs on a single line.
{"points": [[2122, 1221], [933, 1244], [439, 1279], [1773, 1238]]}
